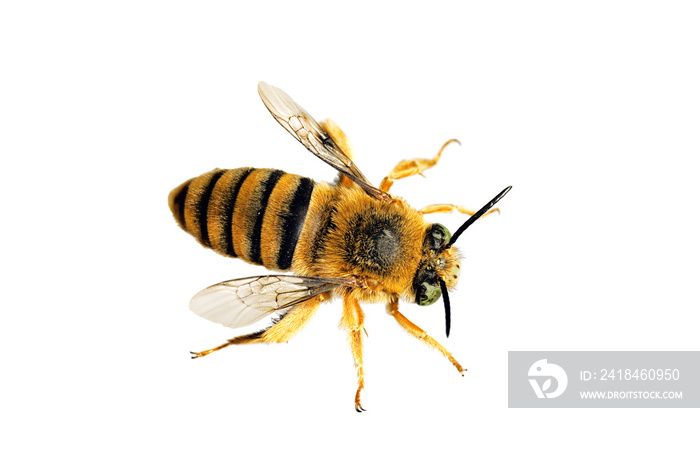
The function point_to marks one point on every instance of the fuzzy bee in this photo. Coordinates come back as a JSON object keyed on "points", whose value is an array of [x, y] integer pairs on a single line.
{"points": [[349, 240]]}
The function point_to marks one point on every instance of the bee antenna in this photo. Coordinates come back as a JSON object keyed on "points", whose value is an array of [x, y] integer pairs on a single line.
{"points": [[446, 300], [476, 216]]}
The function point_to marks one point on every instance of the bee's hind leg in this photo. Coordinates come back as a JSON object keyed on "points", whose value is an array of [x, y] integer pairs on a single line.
{"points": [[406, 168], [342, 141], [353, 322], [281, 331]]}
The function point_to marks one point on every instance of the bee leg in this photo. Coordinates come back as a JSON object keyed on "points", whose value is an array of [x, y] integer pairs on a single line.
{"points": [[449, 208], [281, 331], [342, 141], [352, 321], [393, 310], [406, 168]]}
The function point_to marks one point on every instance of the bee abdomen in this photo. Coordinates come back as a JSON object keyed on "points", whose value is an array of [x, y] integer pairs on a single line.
{"points": [[254, 214]]}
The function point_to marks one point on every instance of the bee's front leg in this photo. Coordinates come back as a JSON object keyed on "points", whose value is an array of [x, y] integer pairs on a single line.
{"points": [[393, 309], [353, 321]]}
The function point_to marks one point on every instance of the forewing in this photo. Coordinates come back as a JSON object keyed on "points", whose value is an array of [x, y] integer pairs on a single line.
{"points": [[306, 130], [237, 303]]}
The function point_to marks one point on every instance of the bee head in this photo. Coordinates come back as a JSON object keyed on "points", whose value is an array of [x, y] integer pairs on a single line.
{"points": [[440, 268]]}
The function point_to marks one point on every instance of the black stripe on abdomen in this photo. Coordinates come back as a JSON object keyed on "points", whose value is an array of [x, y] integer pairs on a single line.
{"points": [[203, 206], [270, 183], [228, 213], [293, 222]]}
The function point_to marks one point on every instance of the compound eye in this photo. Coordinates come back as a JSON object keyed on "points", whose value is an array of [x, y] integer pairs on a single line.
{"points": [[437, 237], [427, 294]]}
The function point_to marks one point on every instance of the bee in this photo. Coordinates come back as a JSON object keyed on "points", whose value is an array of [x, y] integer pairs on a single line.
{"points": [[348, 239]]}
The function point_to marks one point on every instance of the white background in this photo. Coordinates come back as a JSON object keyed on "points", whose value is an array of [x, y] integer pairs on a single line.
{"points": [[590, 110]]}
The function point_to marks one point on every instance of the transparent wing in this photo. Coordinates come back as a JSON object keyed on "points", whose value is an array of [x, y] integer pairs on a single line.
{"points": [[237, 303], [302, 126]]}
